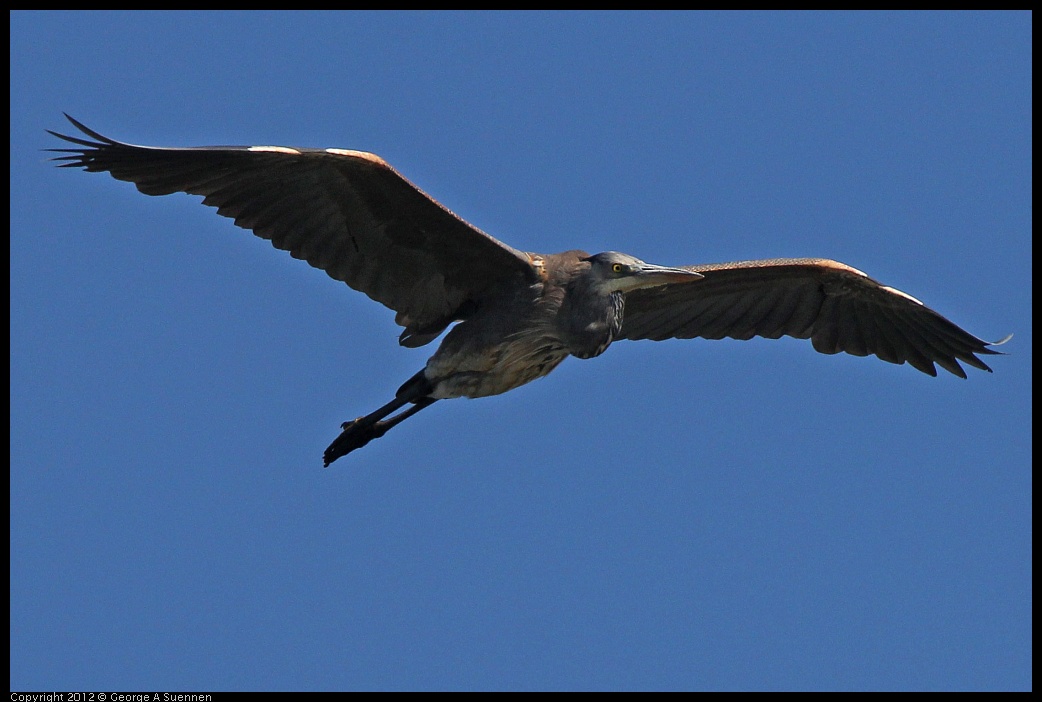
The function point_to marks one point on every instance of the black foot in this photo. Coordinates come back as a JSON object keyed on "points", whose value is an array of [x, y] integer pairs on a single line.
{"points": [[355, 435], [361, 431]]}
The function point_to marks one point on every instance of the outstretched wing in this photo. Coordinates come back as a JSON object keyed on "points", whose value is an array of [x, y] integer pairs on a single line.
{"points": [[347, 213], [837, 307]]}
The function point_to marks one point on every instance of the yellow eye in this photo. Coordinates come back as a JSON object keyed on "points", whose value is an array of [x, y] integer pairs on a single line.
{"points": [[616, 268]]}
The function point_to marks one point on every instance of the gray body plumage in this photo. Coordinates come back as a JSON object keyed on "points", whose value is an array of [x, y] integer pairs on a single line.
{"points": [[517, 315], [522, 336]]}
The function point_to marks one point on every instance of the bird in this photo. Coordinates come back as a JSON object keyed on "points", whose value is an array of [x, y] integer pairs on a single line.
{"points": [[513, 316]]}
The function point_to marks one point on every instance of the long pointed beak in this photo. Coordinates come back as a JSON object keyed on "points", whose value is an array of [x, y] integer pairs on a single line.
{"points": [[652, 276]]}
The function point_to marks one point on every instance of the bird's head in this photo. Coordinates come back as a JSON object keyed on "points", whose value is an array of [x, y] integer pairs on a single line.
{"points": [[612, 271]]}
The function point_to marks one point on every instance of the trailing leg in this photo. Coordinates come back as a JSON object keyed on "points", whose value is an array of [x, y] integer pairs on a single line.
{"points": [[359, 432]]}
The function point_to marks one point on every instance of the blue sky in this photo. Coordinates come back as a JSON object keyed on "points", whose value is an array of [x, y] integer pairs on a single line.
{"points": [[676, 515]]}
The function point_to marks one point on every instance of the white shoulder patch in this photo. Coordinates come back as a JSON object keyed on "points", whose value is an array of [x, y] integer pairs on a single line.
{"points": [[274, 149], [365, 155], [905, 295], [837, 266]]}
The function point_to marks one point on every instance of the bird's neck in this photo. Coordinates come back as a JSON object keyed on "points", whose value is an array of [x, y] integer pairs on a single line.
{"points": [[590, 321]]}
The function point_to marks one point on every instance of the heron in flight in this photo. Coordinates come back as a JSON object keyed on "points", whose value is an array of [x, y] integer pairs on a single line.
{"points": [[517, 315]]}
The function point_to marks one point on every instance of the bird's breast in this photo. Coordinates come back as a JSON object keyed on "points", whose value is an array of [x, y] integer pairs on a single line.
{"points": [[494, 369]]}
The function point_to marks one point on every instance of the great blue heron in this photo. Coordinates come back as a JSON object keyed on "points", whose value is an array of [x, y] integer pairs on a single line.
{"points": [[519, 314]]}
